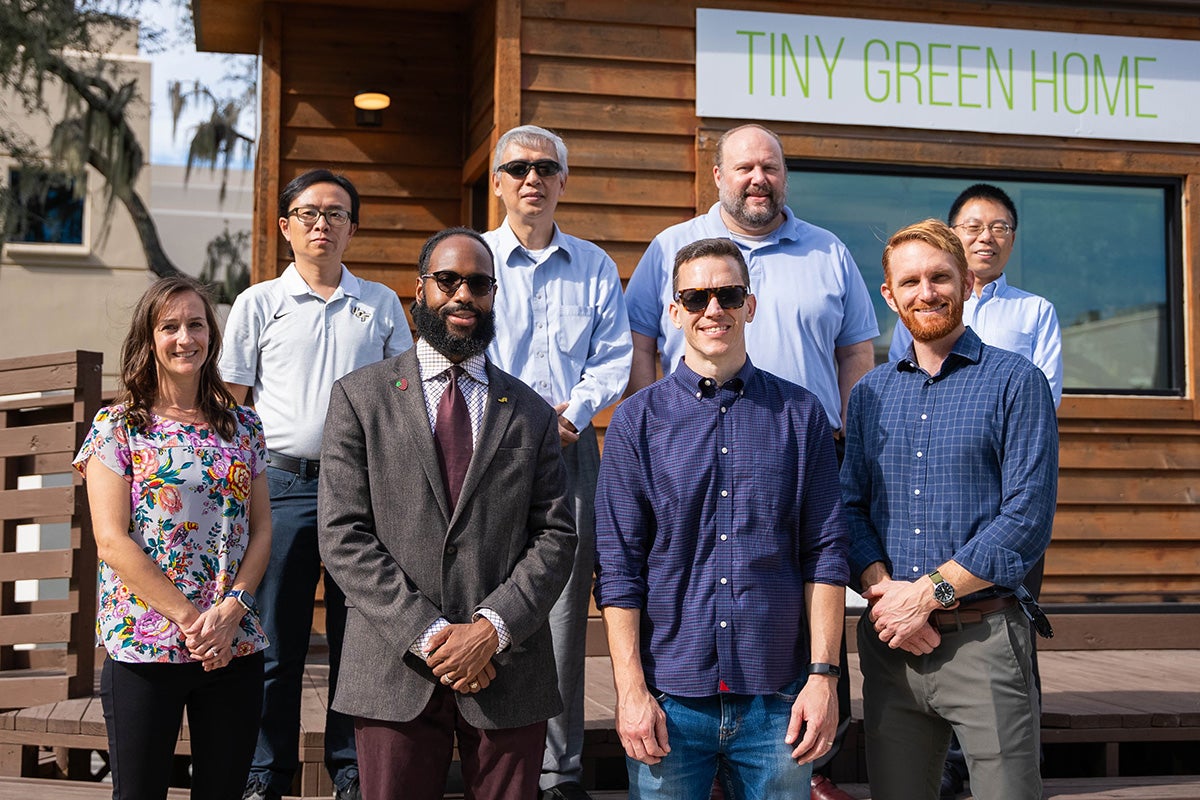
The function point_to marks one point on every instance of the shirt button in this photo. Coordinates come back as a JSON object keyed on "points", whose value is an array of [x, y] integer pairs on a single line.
{"points": [[724, 581], [541, 355], [924, 416], [917, 531], [539, 326], [724, 537], [724, 624], [724, 450], [699, 395], [451, 550], [724, 493], [916, 491], [916, 569], [920, 454], [723, 409]]}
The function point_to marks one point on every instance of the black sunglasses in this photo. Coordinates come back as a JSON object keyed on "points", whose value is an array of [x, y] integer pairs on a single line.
{"points": [[448, 282], [519, 169], [696, 300]]}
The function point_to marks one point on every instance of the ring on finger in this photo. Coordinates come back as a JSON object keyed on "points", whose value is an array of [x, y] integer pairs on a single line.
{"points": [[473, 686], [447, 680]]}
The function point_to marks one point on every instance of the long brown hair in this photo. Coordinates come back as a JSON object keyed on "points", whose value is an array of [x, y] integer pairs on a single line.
{"points": [[139, 370]]}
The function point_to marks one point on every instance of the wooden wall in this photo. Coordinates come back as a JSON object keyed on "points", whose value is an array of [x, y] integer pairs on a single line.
{"points": [[616, 78]]}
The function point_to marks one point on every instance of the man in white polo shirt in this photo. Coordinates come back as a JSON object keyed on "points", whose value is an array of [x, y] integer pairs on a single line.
{"points": [[289, 339]]}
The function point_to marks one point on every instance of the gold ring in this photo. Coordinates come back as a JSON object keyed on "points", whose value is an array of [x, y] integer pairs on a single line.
{"points": [[473, 686]]}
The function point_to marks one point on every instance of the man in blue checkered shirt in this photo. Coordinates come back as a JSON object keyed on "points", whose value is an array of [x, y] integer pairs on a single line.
{"points": [[950, 481]]}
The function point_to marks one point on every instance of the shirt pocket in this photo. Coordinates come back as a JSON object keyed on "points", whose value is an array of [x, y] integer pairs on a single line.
{"points": [[574, 324]]}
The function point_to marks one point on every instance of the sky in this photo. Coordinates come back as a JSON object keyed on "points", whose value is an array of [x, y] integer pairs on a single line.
{"points": [[175, 58]]}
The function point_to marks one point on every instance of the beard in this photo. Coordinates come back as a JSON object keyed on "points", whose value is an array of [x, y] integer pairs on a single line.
{"points": [[734, 204], [930, 330], [431, 326]]}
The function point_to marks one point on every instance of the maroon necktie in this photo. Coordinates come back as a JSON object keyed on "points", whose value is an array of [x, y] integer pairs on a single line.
{"points": [[452, 434]]}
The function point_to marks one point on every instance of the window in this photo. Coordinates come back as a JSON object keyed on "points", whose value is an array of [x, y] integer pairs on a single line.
{"points": [[50, 208], [1106, 254]]}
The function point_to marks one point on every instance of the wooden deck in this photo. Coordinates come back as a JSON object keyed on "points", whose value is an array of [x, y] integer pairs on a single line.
{"points": [[1105, 697]]}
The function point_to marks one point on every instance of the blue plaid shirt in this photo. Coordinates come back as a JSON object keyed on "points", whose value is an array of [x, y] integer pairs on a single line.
{"points": [[716, 504], [962, 465]]}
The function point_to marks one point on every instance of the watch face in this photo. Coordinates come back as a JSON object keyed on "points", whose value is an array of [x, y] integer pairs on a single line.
{"points": [[944, 593]]}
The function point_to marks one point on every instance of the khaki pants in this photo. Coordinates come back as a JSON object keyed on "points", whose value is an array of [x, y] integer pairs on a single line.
{"points": [[978, 683]]}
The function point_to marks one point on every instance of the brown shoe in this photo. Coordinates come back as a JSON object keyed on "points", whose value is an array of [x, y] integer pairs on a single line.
{"points": [[825, 789]]}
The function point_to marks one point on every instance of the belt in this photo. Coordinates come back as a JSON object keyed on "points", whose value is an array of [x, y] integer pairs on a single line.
{"points": [[304, 467], [970, 613]]}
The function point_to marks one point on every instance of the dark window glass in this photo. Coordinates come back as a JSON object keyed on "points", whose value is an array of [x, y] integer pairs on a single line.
{"points": [[50, 209], [1107, 255]]}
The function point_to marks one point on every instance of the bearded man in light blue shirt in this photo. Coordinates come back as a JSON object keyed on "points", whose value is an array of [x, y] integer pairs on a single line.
{"points": [[985, 219], [562, 328]]}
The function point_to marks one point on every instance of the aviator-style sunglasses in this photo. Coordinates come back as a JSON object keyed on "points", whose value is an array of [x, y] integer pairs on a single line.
{"points": [[448, 282], [519, 169], [696, 300]]}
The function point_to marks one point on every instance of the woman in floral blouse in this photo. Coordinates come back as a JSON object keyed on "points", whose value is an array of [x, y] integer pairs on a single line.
{"points": [[176, 477]]}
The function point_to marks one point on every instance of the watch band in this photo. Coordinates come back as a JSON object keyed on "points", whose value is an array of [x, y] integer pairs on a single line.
{"points": [[821, 668], [245, 599]]}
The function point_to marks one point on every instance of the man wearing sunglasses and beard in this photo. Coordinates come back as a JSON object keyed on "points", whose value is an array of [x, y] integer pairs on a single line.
{"points": [[719, 499], [562, 328], [444, 516]]}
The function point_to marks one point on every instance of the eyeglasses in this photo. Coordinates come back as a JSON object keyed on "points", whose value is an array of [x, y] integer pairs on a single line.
{"points": [[696, 300], [974, 228], [519, 169], [448, 282], [308, 216]]}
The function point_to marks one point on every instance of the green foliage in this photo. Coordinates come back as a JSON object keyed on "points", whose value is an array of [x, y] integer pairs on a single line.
{"points": [[226, 272]]}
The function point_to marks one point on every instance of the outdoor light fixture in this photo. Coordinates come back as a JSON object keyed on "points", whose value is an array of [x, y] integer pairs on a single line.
{"points": [[369, 106]]}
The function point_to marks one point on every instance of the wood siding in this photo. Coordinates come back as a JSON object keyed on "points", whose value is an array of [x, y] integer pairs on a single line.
{"points": [[617, 80]]}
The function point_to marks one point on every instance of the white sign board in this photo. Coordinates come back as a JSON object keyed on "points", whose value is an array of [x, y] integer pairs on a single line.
{"points": [[755, 65]]}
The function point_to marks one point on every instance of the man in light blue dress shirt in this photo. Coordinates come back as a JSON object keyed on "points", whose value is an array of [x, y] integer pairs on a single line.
{"points": [[562, 328], [985, 220]]}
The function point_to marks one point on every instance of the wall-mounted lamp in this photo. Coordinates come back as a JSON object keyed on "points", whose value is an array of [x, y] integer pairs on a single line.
{"points": [[368, 108]]}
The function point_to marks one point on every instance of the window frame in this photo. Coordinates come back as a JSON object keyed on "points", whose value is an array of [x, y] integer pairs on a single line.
{"points": [[44, 250]]}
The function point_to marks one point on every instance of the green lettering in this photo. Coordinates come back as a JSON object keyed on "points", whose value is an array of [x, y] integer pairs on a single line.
{"points": [[913, 72], [887, 76], [1052, 81], [936, 73], [1066, 75], [771, 63], [1138, 86], [1111, 100], [785, 47], [750, 55], [963, 76], [830, 65], [1007, 91]]}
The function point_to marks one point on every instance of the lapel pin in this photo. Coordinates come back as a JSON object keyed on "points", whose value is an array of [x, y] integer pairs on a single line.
{"points": [[502, 400], [402, 384]]}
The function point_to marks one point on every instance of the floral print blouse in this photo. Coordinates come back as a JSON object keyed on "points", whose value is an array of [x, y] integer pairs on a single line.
{"points": [[189, 492]]}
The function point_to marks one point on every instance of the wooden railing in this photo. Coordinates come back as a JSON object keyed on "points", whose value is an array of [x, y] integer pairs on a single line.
{"points": [[46, 408]]}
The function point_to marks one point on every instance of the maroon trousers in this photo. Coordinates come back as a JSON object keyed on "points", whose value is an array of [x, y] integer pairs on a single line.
{"points": [[410, 760]]}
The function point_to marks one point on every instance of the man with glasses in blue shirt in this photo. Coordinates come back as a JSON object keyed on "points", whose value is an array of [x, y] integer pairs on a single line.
{"points": [[562, 328], [950, 482], [721, 558], [286, 342]]}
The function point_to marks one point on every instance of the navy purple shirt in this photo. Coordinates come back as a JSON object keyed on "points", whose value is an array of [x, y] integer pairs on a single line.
{"points": [[960, 465], [715, 505]]}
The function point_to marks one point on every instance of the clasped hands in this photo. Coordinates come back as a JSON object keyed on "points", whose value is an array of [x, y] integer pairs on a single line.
{"points": [[900, 611], [461, 655], [210, 636]]}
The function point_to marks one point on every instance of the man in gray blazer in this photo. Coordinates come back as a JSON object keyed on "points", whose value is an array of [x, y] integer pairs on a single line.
{"points": [[443, 514]]}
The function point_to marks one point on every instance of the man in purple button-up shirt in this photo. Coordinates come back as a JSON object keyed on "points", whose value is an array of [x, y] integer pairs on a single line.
{"points": [[721, 558]]}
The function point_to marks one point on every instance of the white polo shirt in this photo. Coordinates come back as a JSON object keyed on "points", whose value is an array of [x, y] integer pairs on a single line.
{"points": [[290, 344]]}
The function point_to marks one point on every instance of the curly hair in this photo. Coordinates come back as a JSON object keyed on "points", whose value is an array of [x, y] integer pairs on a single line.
{"points": [[139, 369]]}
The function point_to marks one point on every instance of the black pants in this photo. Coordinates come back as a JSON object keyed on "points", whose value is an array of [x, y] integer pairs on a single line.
{"points": [[143, 709]]}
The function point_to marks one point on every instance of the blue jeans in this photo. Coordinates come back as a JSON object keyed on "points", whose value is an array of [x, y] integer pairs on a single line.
{"points": [[285, 603], [738, 737]]}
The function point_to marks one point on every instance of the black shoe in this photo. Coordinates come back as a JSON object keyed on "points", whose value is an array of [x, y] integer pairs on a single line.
{"points": [[350, 791], [952, 783], [258, 789], [568, 790]]}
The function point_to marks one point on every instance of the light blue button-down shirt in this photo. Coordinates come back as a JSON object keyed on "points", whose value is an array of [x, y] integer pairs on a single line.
{"points": [[561, 323], [811, 301], [1011, 319]]}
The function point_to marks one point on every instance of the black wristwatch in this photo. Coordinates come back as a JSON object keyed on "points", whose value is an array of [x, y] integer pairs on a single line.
{"points": [[245, 600], [821, 668], [943, 591]]}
